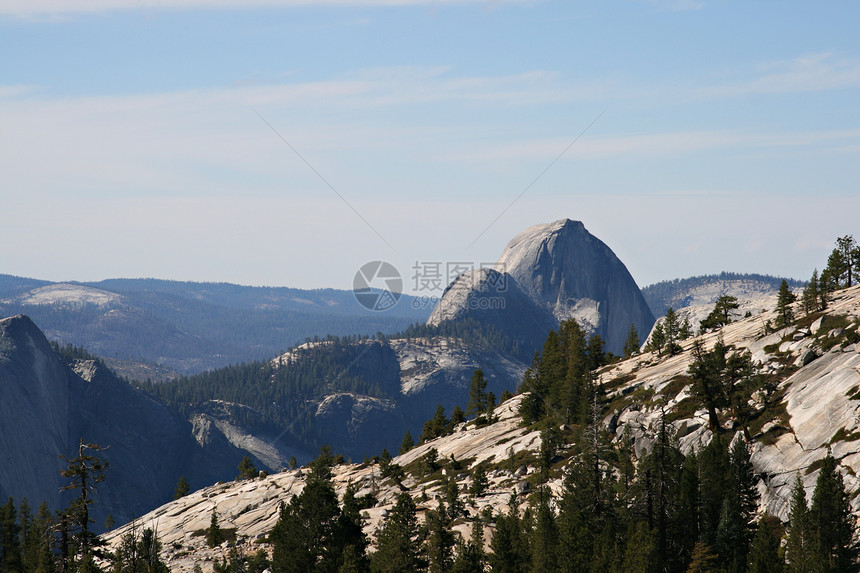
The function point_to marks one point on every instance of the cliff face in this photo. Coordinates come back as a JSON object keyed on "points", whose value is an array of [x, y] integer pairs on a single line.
{"points": [[46, 408], [552, 272], [34, 413]]}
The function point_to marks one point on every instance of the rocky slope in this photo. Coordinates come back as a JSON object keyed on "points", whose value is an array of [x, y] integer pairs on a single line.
{"points": [[47, 407], [555, 272], [817, 363]]}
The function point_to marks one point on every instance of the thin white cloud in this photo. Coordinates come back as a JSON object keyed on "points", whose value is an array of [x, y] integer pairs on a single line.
{"points": [[653, 145], [59, 8], [15, 91], [817, 72]]}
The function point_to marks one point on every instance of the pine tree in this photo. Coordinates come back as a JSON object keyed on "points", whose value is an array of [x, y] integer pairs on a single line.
{"points": [[812, 294], [657, 340], [544, 536], [800, 538], [640, 556], [440, 540], [398, 547], [10, 537], [764, 552], [831, 519], [407, 444], [182, 488], [83, 472], [721, 314], [672, 331], [784, 298], [247, 470], [477, 394], [842, 264], [214, 535], [706, 371], [435, 426], [713, 470], [631, 345], [510, 548]]}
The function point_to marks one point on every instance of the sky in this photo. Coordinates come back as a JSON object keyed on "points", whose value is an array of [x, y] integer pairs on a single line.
{"points": [[288, 142]]}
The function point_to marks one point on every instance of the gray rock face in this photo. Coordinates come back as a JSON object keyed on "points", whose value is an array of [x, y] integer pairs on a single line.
{"points": [[556, 271], [34, 413], [494, 299], [428, 372], [46, 408]]}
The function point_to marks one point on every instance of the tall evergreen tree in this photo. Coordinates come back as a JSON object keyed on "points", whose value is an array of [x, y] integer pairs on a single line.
{"points": [[631, 344], [832, 520], [440, 540], [812, 294], [83, 472], [510, 548], [800, 538], [10, 537], [544, 536], [784, 298], [672, 332], [407, 444], [477, 394], [398, 547], [764, 552]]}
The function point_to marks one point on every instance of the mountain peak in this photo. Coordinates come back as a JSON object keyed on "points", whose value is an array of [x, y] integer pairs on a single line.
{"points": [[561, 271]]}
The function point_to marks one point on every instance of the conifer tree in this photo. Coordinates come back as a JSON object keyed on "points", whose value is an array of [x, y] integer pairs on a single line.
{"points": [[721, 314], [510, 548], [784, 298], [713, 470], [312, 532], [398, 547], [83, 472], [247, 470], [764, 552], [640, 555], [657, 340], [477, 394], [631, 344], [672, 332], [544, 536], [703, 560], [832, 521], [407, 444], [182, 488], [10, 537], [440, 540], [812, 294], [800, 538]]}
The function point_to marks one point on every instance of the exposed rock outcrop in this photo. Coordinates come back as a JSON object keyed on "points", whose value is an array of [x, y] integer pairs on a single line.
{"points": [[564, 272]]}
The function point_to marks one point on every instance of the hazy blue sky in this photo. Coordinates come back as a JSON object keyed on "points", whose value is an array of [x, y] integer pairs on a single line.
{"points": [[727, 134]]}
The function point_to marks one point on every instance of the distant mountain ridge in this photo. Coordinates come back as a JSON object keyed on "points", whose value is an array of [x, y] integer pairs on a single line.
{"points": [[705, 289], [188, 326]]}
